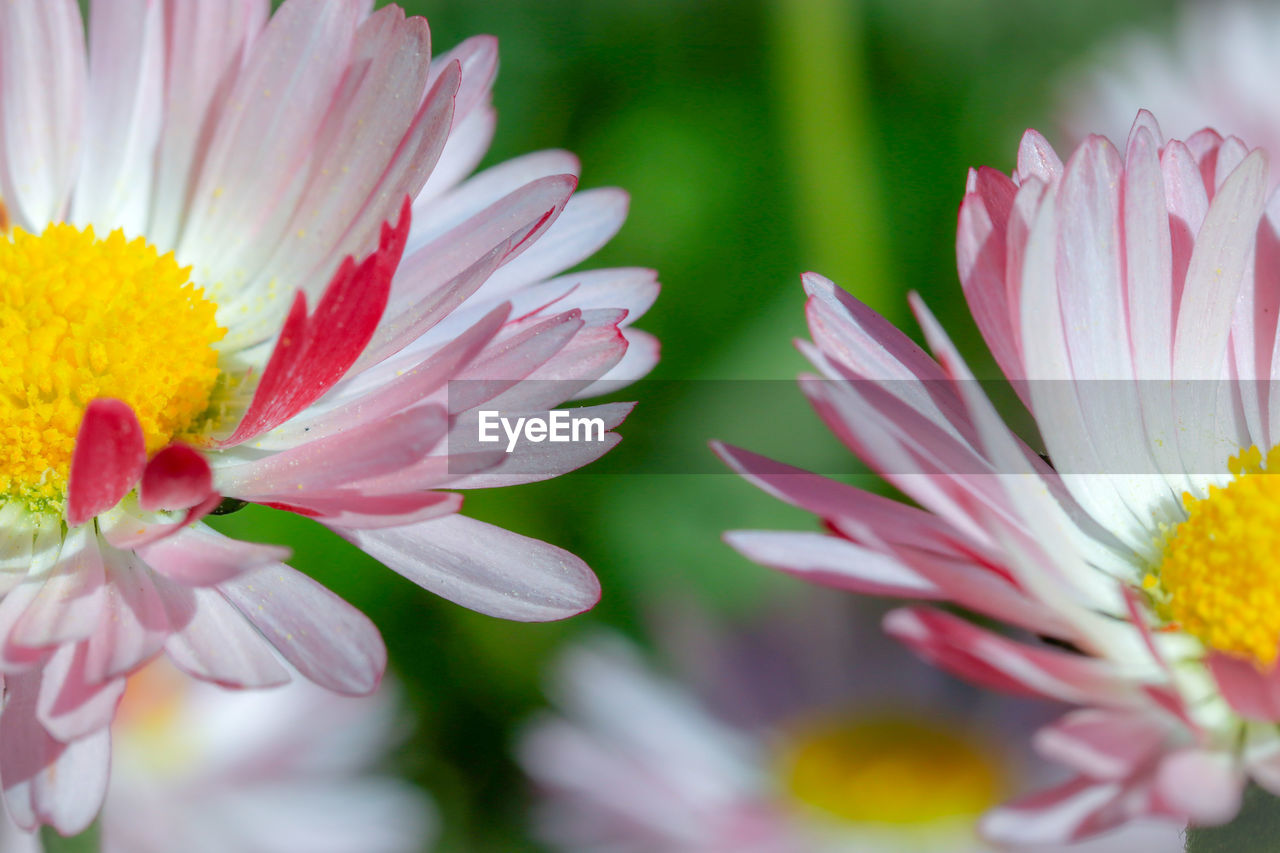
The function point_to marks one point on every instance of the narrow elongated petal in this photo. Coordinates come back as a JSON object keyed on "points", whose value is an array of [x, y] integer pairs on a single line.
{"points": [[46, 781], [328, 640], [486, 568]]}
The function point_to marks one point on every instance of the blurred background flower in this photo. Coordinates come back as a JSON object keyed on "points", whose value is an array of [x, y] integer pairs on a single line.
{"points": [[805, 731], [199, 768], [1217, 69], [758, 139]]}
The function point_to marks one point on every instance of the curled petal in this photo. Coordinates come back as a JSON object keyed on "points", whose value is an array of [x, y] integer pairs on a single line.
{"points": [[177, 477], [109, 458]]}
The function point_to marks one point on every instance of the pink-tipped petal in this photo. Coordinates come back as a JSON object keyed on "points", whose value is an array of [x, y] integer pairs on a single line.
{"points": [[1102, 743], [253, 163], [1003, 664], [1072, 811], [981, 252], [328, 640], [830, 561], [195, 89], [485, 568], [1037, 159], [108, 459], [178, 477], [1215, 272], [367, 449], [1250, 693], [46, 781], [1202, 786]]}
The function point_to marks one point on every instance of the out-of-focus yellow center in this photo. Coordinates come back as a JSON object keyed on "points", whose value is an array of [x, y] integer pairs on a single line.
{"points": [[1219, 575], [890, 771], [152, 700], [82, 318], [149, 728]]}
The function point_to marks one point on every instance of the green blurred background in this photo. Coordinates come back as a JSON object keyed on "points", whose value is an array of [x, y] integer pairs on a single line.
{"points": [[758, 140]]}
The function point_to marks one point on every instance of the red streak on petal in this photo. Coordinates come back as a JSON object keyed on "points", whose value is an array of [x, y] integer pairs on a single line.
{"points": [[314, 352]]}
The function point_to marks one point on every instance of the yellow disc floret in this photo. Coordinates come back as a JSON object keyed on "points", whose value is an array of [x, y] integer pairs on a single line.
{"points": [[890, 771], [82, 318], [1219, 576]]}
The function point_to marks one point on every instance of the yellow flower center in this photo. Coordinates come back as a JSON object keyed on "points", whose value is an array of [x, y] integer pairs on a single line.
{"points": [[82, 318], [1219, 576], [890, 771]]}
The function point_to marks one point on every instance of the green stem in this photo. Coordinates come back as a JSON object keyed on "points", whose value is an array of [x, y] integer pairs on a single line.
{"points": [[1255, 830], [86, 842], [829, 136]]}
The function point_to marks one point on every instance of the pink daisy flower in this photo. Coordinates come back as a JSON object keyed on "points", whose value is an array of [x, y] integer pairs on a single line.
{"points": [[208, 770], [241, 263], [1132, 300], [803, 732]]}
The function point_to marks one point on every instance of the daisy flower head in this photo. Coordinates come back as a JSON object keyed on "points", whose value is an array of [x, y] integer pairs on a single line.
{"points": [[241, 261], [802, 731], [1130, 297], [1217, 70], [200, 768]]}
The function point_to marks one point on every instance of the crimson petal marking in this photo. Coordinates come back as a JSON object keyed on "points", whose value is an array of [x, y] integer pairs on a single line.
{"points": [[389, 394], [108, 459], [314, 353], [177, 477]]}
